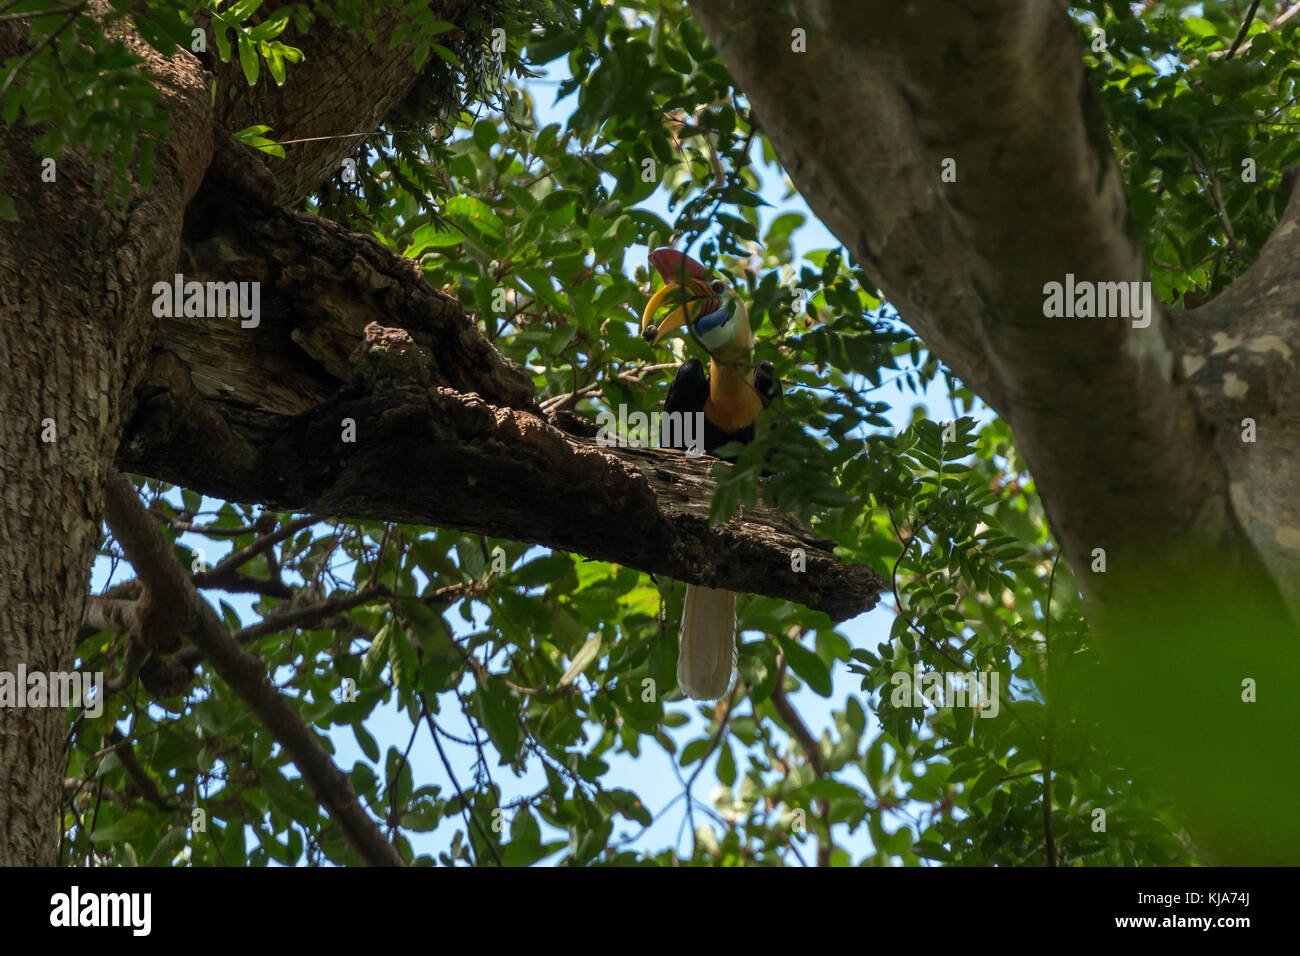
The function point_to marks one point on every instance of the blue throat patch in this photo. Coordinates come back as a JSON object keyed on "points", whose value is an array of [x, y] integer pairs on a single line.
{"points": [[712, 321]]}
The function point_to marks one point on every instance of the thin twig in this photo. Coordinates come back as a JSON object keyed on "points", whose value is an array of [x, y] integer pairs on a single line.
{"points": [[713, 745], [812, 752], [470, 818], [1049, 844], [40, 13], [1241, 34], [135, 770], [34, 51]]}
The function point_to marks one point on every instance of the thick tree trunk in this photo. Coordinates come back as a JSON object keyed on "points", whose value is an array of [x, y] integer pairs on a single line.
{"points": [[60, 391], [1133, 430], [72, 335], [1130, 456]]}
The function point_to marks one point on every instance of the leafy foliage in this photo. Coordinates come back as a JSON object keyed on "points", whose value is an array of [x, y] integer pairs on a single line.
{"points": [[1201, 124], [536, 675], [86, 85]]}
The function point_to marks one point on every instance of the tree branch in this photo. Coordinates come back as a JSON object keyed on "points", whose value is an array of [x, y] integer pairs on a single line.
{"points": [[1245, 28], [139, 776], [438, 457], [163, 575], [811, 750], [416, 417]]}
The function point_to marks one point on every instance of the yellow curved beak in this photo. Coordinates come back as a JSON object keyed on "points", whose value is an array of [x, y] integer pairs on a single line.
{"points": [[684, 295], [657, 301]]}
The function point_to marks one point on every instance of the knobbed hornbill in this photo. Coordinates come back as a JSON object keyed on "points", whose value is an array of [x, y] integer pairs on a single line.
{"points": [[730, 399]]}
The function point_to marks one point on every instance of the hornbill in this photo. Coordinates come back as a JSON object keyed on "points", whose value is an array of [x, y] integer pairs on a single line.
{"points": [[729, 399]]}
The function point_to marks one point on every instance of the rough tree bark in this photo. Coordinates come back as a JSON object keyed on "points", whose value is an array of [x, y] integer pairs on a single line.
{"points": [[73, 310], [1132, 434]]}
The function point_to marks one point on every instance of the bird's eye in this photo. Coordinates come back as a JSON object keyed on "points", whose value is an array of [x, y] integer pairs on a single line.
{"points": [[716, 287]]}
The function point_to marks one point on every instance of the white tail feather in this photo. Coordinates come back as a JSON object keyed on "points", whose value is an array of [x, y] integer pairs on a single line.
{"points": [[708, 643]]}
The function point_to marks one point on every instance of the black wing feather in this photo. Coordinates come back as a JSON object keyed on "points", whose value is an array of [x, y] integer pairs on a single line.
{"points": [[687, 393], [766, 383], [690, 390]]}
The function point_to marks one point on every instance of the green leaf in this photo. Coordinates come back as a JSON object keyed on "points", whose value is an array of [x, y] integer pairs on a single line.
{"points": [[807, 665], [172, 842], [372, 665], [525, 847], [275, 63], [540, 285], [248, 60], [479, 214], [251, 136], [544, 570], [485, 134], [430, 236], [726, 765], [737, 226], [401, 658], [12, 104], [365, 741], [223, 44], [242, 10], [270, 29], [129, 827], [782, 226], [677, 60], [694, 751], [929, 850], [145, 171], [496, 710]]}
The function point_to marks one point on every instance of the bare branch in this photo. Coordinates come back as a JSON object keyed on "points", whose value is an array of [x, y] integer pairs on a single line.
{"points": [[163, 575]]}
